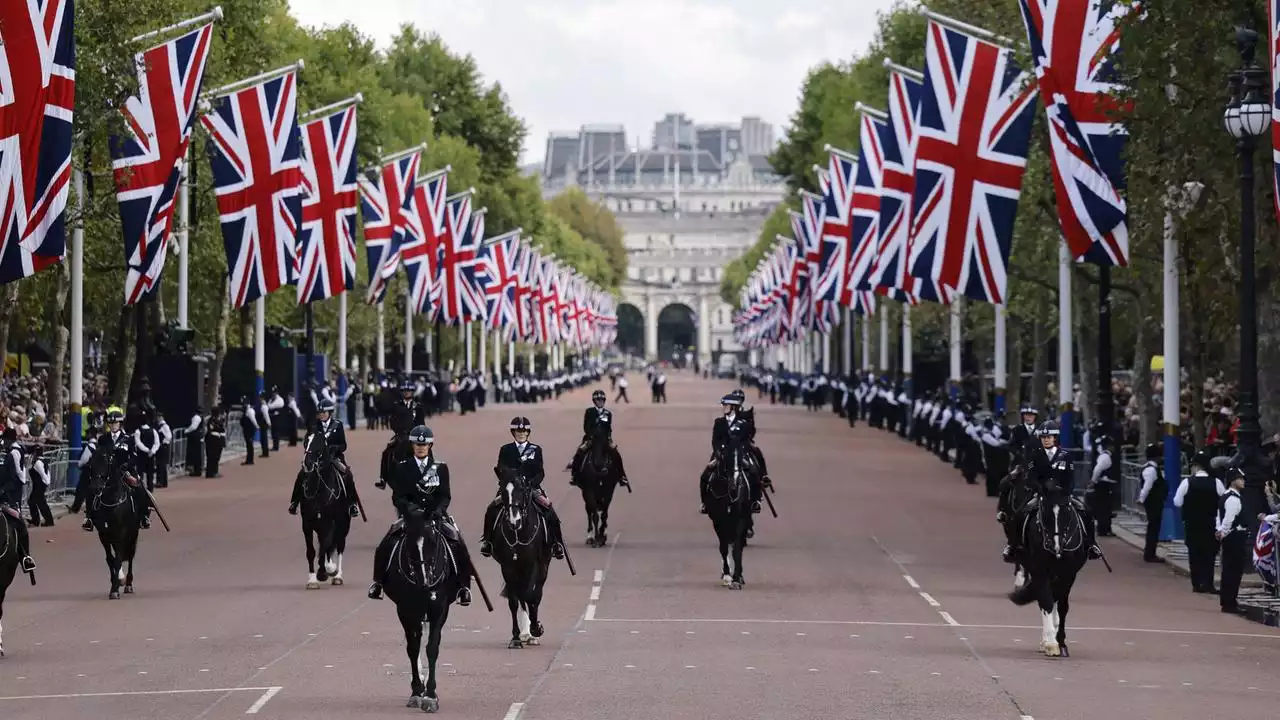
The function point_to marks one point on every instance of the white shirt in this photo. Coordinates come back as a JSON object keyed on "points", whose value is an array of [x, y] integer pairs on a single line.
{"points": [[1185, 485], [275, 403], [622, 383], [1230, 509], [1149, 474], [195, 423], [155, 441], [38, 467], [251, 416], [166, 435], [1101, 465]]}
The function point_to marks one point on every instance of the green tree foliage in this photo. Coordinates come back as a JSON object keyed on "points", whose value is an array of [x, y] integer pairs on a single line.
{"points": [[596, 224]]}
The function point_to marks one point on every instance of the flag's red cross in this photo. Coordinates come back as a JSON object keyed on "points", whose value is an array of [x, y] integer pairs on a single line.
{"points": [[452, 258], [325, 199]]}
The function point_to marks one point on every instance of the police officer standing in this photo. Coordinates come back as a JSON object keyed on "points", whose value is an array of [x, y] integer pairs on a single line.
{"points": [[1103, 482], [215, 440], [1151, 497], [1198, 495], [195, 433], [1233, 533]]}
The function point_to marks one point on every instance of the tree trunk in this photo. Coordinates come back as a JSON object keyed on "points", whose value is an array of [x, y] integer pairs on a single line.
{"points": [[126, 354], [1039, 365], [219, 350], [1142, 393], [1013, 393], [54, 389], [7, 309]]}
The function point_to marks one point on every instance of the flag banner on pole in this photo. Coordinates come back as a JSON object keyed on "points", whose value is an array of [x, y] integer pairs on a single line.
{"points": [[37, 99], [147, 160], [499, 267], [457, 260], [866, 211], [327, 237], [889, 272], [255, 150], [425, 227], [385, 198], [837, 228], [550, 298], [1073, 44], [526, 313], [974, 130]]}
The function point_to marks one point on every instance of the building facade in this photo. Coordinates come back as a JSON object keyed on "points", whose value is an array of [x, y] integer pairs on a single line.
{"points": [[686, 214]]}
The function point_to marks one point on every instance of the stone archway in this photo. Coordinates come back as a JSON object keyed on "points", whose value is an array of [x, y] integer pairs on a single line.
{"points": [[630, 329], [677, 333]]}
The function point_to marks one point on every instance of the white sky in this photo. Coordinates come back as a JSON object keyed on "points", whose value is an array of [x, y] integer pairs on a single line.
{"points": [[564, 63]]}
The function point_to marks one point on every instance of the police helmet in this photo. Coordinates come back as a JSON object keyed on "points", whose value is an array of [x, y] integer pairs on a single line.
{"points": [[1049, 428], [1154, 451], [408, 385], [325, 406], [421, 435], [598, 395], [1231, 474], [1202, 460], [115, 414], [733, 398], [521, 423]]}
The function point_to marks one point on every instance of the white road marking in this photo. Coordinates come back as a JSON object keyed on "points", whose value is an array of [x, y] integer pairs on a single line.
{"points": [[513, 712], [1027, 717], [136, 693], [598, 577], [947, 617], [912, 582], [591, 612], [595, 592], [929, 599], [260, 702]]}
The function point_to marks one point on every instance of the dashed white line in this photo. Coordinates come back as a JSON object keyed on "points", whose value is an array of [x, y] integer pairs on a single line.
{"points": [[591, 612], [262, 701], [72, 696], [513, 712], [595, 592], [912, 582], [929, 599], [598, 577], [946, 616]]}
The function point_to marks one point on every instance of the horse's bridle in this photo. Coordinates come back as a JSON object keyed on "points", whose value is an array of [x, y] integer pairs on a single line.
{"points": [[316, 470], [514, 520]]}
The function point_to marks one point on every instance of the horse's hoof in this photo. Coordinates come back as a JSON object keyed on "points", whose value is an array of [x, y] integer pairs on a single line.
{"points": [[1063, 647], [336, 581], [725, 580], [331, 569], [128, 589], [591, 542], [537, 630], [604, 540], [735, 585], [515, 644], [414, 701], [532, 641], [313, 586], [1, 651], [321, 575], [113, 595], [1052, 650], [430, 705]]}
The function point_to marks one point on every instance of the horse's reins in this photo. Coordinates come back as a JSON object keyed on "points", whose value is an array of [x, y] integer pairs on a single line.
{"points": [[314, 470], [528, 510]]}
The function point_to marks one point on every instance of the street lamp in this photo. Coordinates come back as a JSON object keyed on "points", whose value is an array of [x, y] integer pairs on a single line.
{"points": [[1246, 118]]}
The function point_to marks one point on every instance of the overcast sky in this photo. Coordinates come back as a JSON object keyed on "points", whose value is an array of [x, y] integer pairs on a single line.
{"points": [[564, 63]]}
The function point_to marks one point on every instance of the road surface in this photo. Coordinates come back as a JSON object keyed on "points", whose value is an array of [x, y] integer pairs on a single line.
{"points": [[877, 593]]}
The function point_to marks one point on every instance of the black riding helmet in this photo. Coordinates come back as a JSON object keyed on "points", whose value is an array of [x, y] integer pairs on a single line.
{"points": [[1049, 428], [521, 423], [598, 396], [422, 435]]}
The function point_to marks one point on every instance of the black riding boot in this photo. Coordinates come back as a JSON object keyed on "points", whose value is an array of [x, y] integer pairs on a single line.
{"points": [[463, 557], [24, 547], [622, 471], [757, 489], [1090, 534], [704, 489], [381, 557], [557, 538], [490, 515], [296, 498], [764, 469], [349, 482], [576, 463], [143, 503]]}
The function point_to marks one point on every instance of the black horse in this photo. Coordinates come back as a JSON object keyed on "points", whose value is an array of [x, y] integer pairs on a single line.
{"points": [[523, 550], [10, 561], [115, 514], [1019, 492], [422, 580], [324, 512], [397, 450], [1054, 552], [598, 477], [730, 499]]}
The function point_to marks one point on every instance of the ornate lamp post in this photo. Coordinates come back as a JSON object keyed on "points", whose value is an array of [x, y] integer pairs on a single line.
{"points": [[1248, 117]]}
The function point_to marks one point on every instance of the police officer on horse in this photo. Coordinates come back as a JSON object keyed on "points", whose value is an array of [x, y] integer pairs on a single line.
{"points": [[525, 458], [405, 414], [11, 474], [731, 405], [1050, 472], [420, 491], [596, 416], [112, 446], [335, 437]]}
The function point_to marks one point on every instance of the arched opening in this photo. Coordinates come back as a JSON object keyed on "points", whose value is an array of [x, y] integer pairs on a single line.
{"points": [[677, 333], [630, 330]]}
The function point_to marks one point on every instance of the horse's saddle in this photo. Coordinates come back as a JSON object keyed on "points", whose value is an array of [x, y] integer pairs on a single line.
{"points": [[131, 481]]}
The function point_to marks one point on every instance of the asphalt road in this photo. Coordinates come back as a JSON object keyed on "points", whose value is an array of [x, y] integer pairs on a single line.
{"points": [[877, 593]]}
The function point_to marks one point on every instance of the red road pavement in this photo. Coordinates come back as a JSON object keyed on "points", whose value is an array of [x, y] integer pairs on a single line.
{"points": [[878, 593]]}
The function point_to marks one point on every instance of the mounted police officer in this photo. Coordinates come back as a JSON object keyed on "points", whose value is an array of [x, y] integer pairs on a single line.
{"points": [[420, 491], [731, 404], [1022, 438], [12, 477], [405, 414], [1051, 472], [596, 416], [113, 446], [335, 438], [526, 458]]}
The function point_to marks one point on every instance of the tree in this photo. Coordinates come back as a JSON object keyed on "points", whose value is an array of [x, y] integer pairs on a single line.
{"points": [[596, 224]]}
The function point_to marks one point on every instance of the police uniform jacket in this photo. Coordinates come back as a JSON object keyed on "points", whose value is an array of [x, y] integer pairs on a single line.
{"points": [[413, 487], [1055, 467], [11, 475], [594, 416], [1021, 441], [405, 415], [527, 460], [335, 436]]}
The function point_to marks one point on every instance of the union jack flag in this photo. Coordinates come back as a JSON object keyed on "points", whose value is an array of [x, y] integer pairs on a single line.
{"points": [[327, 236], [1264, 552], [974, 131], [148, 160], [1074, 43], [549, 298], [500, 265], [37, 98], [385, 197], [420, 253], [866, 210], [255, 150], [837, 227], [457, 258], [526, 292], [889, 273]]}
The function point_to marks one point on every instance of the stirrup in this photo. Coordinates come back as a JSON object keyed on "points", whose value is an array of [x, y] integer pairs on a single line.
{"points": [[28, 564], [464, 597], [353, 510], [557, 551], [375, 591], [87, 525], [702, 508], [486, 547], [755, 506], [1095, 552], [1007, 554]]}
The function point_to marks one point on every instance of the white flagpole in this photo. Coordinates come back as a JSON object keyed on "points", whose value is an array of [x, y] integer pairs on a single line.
{"points": [[466, 330], [484, 348], [76, 435], [497, 353], [408, 330], [884, 339], [846, 348], [955, 348], [826, 353], [908, 349], [1066, 376], [511, 357], [382, 339], [866, 342], [184, 236], [215, 15], [342, 353], [1002, 356], [260, 342]]}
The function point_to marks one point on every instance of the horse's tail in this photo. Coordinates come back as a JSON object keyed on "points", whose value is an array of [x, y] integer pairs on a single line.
{"points": [[1024, 595]]}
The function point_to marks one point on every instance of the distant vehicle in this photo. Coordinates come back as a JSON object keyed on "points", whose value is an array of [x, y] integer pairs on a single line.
{"points": [[727, 366]]}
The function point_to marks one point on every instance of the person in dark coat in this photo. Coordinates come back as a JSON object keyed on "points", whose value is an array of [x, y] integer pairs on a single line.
{"points": [[1152, 497], [526, 458], [1198, 495]]}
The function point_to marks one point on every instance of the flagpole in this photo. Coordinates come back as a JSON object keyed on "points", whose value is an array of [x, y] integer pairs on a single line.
{"points": [[846, 348], [955, 348], [866, 341], [908, 349], [826, 353], [334, 106], [260, 350], [511, 357], [884, 340], [408, 329], [1066, 377], [967, 28], [497, 353], [382, 339], [1001, 360], [1170, 527], [184, 240], [484, 348], [215, 14], [259, 78], [342, 354], [76, 432], [466, 330]]}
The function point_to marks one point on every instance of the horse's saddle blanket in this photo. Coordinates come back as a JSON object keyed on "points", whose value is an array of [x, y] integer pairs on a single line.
{"points": [[131, 481], [11, 512]]}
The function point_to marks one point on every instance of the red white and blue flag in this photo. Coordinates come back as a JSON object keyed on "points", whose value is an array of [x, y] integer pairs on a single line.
{"points": [[148, 159], [255, 150], [425, 228], [326, 247], [500, 267], [1264, 552], [889, 274], [385, 198], [837, 227], [866, 211], [974, 130], [457, 258], [1073, 44], [37, 98], [526, 292], [548, 299]]}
